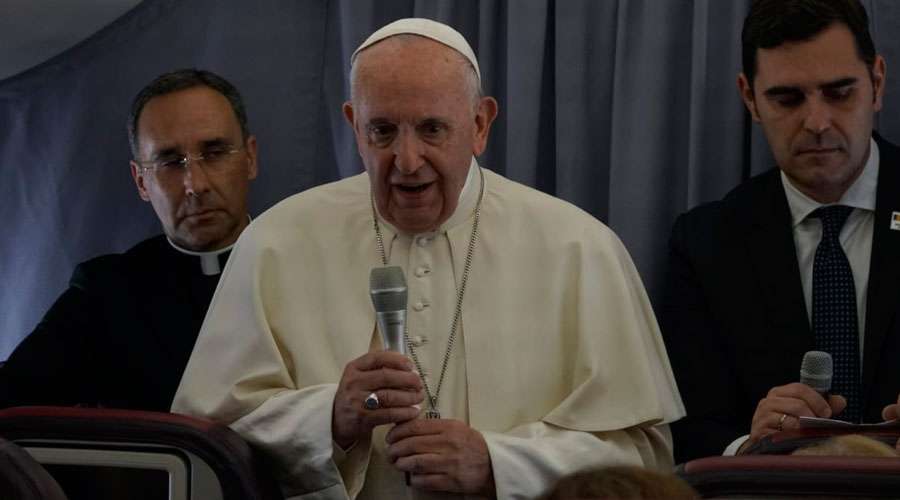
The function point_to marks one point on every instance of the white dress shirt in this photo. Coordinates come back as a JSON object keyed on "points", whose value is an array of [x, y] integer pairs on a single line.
{"points": [[855, 238]]}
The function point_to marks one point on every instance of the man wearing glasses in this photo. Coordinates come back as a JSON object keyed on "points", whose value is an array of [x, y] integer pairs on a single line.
{"points": [[122, 332]]}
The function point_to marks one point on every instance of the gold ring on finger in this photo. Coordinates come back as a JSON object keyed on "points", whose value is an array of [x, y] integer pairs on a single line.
{"points": [[781, 422]]}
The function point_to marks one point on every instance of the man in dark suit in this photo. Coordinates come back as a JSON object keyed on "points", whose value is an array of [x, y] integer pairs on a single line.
{"points": [[121, 334], [754, 280]]}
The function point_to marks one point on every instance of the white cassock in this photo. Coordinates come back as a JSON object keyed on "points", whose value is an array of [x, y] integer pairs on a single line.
{"points": [[558, 362]]}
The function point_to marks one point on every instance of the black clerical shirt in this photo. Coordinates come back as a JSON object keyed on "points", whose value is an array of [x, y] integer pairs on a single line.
{"points": [[119, 336]]}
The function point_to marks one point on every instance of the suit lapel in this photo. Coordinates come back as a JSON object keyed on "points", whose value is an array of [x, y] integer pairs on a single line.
{"points": [[884, 270], [773, 257]]}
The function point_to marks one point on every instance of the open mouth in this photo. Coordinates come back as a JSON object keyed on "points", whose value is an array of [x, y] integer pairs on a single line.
{"points": [[418, 188]]}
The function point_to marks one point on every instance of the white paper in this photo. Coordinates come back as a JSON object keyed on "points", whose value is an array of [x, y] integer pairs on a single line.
{"points": [[815, 422]]}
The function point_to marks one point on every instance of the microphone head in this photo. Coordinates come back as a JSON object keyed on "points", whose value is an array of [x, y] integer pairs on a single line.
{"points": [[387, 286], [816, 370]]}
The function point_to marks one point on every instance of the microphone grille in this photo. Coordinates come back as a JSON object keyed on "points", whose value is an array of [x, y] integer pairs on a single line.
{"points": [[387, 286], [816, 370]]}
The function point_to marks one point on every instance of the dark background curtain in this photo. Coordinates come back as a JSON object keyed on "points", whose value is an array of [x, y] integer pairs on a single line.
{"points": [[626, 108]]}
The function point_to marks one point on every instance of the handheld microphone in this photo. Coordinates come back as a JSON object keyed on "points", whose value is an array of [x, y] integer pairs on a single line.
{"points": [[816, 370], [387, 286]]}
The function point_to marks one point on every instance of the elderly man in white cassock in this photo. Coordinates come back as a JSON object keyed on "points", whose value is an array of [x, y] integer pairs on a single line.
{"points": [[531, 343]]}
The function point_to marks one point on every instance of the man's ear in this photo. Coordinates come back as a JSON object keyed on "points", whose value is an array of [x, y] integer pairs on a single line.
{"points": [[484, 116], [348, 114], [879, 76], [137, 173], [252, 168], [747, 96]]}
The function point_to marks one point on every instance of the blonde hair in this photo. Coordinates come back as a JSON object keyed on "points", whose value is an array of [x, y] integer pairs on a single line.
{"points": [[621, 482], [849, 445]]}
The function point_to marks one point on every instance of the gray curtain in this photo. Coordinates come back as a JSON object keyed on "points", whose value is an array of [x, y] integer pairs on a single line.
{"points": [[626, 108]]}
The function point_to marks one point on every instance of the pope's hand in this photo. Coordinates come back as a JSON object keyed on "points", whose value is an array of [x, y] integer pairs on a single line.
{"points": [[442, 455], [391, 377], [783, 406]]}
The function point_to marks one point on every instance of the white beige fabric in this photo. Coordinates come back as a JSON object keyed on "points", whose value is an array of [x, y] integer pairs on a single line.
{"points": [[423, 27], [559, 364]]}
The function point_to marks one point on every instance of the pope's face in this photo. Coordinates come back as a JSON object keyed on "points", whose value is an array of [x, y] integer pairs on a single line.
{"points": [[417, 126], [815, 100], [204, 205]]}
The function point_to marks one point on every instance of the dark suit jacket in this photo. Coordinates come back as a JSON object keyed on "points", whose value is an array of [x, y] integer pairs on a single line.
{"points": [[734, 317], [119, 336]]}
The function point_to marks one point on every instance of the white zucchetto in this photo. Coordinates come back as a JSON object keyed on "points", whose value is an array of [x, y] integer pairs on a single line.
{"points": [[434, 30]]}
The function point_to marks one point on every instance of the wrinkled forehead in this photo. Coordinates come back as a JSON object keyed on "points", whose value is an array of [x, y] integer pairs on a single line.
{"points": [[408, 80]]}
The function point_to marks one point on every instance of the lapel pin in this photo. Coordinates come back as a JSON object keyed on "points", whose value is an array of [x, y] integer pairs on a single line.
{"points": [[895, 221]]}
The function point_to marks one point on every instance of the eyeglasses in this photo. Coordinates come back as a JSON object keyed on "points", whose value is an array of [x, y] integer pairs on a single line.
{"points": [[171, 165]]}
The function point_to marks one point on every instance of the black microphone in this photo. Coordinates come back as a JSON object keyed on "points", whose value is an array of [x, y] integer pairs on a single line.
{"points": [[816, 370], [387, 286]]}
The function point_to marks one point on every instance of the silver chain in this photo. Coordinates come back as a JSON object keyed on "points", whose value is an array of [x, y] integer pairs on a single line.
{"points": [[457, 314]]}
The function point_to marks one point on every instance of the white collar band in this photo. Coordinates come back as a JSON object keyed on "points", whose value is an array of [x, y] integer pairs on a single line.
{"points": [[209, 261]]}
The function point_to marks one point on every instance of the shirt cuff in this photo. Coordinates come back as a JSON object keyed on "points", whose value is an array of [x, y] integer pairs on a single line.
{"points": [[735, 445]]}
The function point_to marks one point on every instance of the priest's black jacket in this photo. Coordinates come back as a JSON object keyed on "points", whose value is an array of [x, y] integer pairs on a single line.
{"points": [[119, 336], [734, 317]]}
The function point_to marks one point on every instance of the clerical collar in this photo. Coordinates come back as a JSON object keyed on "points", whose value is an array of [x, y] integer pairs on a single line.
{"points": [[209, 261], [860, 194], [465, 205]]}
